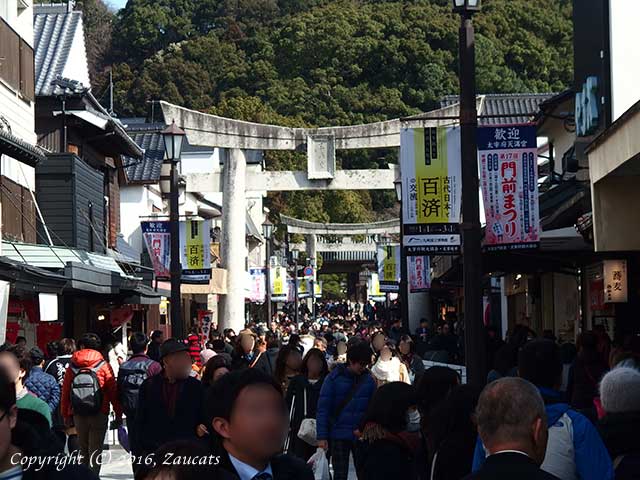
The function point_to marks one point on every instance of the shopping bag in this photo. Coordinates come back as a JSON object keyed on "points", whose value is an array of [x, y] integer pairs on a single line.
{"points": [[307, 431], [123, 438], [320, 465]]}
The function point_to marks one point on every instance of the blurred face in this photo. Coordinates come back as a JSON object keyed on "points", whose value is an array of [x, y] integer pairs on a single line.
{"points": [[10, 364], [257, 426], [378, 342], [357, 368], [314, 366], [178, 365], [405, 348], [247, 343], [342, 348], [445, 329], [220, 372], [319, 345]]}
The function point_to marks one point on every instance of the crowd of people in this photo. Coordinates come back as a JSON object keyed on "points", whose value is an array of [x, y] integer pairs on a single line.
{"points": [[277, 401]]}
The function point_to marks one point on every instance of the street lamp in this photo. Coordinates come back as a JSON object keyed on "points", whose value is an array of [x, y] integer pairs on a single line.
{"points": [[294, 254], [267, 232], [474, 334], [173, 137], [404, 287]]}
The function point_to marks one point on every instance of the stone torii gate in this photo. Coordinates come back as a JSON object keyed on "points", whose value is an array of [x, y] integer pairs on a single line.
{"points": [[320, 144]]}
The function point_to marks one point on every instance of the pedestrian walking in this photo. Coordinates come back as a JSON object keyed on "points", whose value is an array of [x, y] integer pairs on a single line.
{"points": [[243, 354], [266, 361], [131, 376], [215, 368], [388, 367], [57, 367], [88, 389], [157, 337], [302, 400], [288, 365], [40, 383], [169, 403], [513, 427], [620, 427], [247, 415], [412, 361], [389, 437], [343, 401], [576, 449]]}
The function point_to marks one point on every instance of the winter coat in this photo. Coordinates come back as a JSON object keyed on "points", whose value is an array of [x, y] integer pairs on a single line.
{"points": [[43, 386], [584, 378], [385, 458], [619, 432], [510, 466], [154, 425], [88, 358], [58, 367], [296, 392], [284, 467], [574, 450], [334, 390], [267, 361]]}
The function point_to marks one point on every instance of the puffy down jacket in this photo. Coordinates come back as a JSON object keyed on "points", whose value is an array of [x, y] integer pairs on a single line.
{"points": [[334, 390], [44, 386]]}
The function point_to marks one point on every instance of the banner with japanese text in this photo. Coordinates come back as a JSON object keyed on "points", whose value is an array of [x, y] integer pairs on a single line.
{"points": [[388, 257], [279, 286], [257, 285], [195, 241], [508, 157], [419, 269], [158, 241], [431, 190]]}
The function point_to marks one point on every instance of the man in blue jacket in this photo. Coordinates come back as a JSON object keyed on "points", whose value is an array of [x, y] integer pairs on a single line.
{"points": [[575, 450], [343, 401], [41, 384]]}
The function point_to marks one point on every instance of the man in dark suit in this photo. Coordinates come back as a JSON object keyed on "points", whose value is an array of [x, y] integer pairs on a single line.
{"points": [[248, 417], [512, 424]]}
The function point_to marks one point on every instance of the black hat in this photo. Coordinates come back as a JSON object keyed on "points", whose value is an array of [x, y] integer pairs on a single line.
{"points": [[172, 345], [36, 355]]}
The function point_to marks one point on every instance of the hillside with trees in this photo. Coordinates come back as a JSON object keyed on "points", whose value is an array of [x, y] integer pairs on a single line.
{"points": [[320, 63]]}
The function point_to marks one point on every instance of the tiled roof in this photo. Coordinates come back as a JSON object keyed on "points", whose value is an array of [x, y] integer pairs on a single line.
{"points": [[519, 107], [54, 30], [147, 136]]}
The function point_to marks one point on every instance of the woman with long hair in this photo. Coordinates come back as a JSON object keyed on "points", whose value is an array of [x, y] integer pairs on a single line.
{"points": [[302, 399], [214, 369], [288, 365], [388, 367], [389, 435], [408, 355]]}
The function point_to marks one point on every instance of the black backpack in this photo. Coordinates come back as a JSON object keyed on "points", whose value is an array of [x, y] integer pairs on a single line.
{"points": [[130, 377], [86, 394]]}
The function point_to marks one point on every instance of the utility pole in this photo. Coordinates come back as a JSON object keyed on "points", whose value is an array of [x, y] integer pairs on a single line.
{"points": [[474, 333]]}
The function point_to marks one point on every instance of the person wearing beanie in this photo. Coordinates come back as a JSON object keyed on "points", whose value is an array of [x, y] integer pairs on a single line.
{"points": [[620, 396]]}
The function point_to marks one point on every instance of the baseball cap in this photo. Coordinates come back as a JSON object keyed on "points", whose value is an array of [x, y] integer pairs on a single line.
{"points": [[172, 345]]}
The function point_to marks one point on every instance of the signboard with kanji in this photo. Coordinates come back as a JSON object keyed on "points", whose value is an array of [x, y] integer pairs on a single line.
{"points": [[279, 286], [257, 285], [195, 239], [389, 267], [431, 190], [508, 157], [419, 269], [615, 281], [158, 241]]}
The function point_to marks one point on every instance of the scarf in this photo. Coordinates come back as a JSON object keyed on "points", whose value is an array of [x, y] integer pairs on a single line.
{"points": [[374, 431], [388, 371]]}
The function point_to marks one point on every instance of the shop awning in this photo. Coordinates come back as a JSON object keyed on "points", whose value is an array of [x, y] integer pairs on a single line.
{"points": [[26, 279]]}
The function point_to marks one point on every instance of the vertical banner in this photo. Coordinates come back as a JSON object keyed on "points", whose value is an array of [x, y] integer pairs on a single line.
{"points": [[508, 157], [388, 257], [615, 281], [158, 241], [373, 288], [430, 163], [257, 285], [204, 322], [195, 241], [419, 269], [279, 287]]}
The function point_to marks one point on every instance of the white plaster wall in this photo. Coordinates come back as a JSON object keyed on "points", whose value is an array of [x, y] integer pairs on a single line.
{"points": [[625, 57], [200, 162], [20, 20], [136, 201], [77, 67]]}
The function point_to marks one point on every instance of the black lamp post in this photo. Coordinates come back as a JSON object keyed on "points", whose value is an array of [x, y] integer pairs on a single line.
{"points": [[173, 137], [294, 260], [267, 232], [474, 334], [404, 276]]}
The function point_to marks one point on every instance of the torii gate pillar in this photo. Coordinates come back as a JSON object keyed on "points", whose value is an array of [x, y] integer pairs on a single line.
{"points": [[233, 248]]}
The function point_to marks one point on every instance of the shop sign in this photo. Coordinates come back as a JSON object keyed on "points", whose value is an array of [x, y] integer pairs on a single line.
{"points": [[195, 251], [388, 257], [257, 285], [279, 287], [615, 281], [509, 183], [587, 108], [430, 163], [419, 270]]}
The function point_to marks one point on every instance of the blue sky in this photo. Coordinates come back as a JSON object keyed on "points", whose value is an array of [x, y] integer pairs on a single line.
{"points": [[116, 3]]}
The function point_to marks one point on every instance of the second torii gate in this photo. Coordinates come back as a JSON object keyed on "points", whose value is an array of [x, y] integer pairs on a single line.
{"points": [[320, 144]]}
